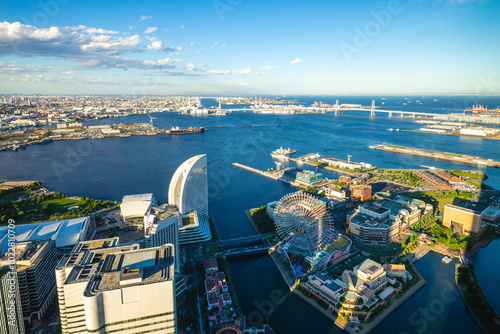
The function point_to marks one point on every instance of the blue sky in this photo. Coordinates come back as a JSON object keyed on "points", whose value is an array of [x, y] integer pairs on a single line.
{"points": [[243, 47]]}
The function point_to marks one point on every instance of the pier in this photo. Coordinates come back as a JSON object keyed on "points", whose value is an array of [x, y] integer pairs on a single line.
{"points": [[273, 176], [461, 158]]}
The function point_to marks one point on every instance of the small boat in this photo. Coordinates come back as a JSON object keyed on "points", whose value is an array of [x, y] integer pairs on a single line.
{"points": [[446, 259], [391, 129]]}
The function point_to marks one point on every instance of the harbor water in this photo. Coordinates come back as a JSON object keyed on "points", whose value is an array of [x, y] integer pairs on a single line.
{"points": [[113, 167]]}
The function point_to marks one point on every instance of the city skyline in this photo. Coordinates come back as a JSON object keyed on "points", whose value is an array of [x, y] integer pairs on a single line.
{"points": [[245, 48]]}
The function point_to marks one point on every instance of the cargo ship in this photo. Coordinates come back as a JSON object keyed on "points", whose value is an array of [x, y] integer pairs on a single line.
{"points": [[178, 131]]}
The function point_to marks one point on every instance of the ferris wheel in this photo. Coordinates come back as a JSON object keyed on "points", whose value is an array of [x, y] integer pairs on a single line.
{"points": [[303, 223]]}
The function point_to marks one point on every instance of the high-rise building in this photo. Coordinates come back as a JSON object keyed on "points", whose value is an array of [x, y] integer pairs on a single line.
{"points": [[35, 264], [72, 276], [133, 292], [188, 189], [162, 227], [188, 192], [11, 313]]}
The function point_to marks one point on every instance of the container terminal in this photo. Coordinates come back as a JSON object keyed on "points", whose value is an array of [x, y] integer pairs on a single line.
{"points": [[462, 158]]}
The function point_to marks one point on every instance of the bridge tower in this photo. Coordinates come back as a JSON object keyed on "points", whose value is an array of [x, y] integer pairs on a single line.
{"points": [[373, 109], [390, 113], [337, 107]]}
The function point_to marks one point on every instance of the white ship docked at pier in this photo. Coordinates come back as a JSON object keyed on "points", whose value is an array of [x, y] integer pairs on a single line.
{"points": [[283, 153]]}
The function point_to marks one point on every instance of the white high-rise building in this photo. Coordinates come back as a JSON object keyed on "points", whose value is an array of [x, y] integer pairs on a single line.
{"points": [[188, 192], [188, 189], [72, 276], [133, 292]]}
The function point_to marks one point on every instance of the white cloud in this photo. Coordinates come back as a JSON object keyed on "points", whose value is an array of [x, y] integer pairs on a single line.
{"points": [[100, 31], [150, 30], [69, 72], [295, 61], [145, 17], [226, 72], [268, 67], [183, 27], [93, 51], [112, 44], [189, 67], [158, 46], [130, 27], [161, 62], [89, 30]]}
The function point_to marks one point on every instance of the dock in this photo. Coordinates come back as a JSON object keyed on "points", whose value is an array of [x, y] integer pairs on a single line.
{"points": [[273, 176], [461, 158]]}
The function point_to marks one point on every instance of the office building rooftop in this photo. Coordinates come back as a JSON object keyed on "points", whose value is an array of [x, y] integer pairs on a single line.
{"points": [[137, 267]]}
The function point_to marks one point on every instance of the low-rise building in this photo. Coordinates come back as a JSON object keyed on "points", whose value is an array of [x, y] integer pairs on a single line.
{"points": [[355, 288], [210, 265], [492, 213], [135, 207], [363, 193], [463, 220], [373, 226], [395, 270], [435, 180]]}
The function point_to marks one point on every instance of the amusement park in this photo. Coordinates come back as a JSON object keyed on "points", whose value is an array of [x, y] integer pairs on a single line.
{"points": [[318, 264], [309, 239]]}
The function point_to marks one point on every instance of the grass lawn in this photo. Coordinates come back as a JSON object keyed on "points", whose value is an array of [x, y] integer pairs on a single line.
{"points": [[263, 222], [59, 205], [450, 200], [13, 196], [212, 249]]}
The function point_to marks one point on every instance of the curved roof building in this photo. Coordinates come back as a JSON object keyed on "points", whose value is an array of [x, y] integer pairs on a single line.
{"points": [[134, 207], [188, 189]]}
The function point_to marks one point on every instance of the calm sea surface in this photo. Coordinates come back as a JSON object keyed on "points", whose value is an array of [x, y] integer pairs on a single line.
{"points": [[112, 167]]}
